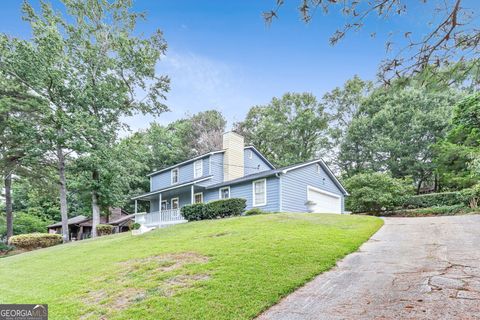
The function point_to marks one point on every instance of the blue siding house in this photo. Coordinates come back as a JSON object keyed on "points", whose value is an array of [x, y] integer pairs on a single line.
{"points": [[239, 171]]}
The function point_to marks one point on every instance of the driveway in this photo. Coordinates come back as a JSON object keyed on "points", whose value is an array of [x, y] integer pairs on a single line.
{"points": [[412, 268]]}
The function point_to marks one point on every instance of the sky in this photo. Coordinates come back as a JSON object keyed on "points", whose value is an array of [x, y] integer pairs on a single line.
{"points": [[221, 54]]}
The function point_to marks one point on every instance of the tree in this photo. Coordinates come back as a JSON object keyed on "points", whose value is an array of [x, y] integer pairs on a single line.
{"points": [[342, 104], [19, 132], [289, 130], [459, 153], [92, 70], [206, 132], [453, 33], [395, 129]]}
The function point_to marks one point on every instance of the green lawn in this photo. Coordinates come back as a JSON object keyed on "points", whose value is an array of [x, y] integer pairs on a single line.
{"points": [[224, 269]]}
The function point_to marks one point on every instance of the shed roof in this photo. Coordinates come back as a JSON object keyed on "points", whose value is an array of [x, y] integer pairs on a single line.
{"points": [[74, 220]]}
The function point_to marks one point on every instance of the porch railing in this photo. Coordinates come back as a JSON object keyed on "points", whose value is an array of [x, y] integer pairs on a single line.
{"points": [[158, 218]]}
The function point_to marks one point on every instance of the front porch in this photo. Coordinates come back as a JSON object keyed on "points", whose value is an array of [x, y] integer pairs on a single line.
{"points": [[165, 205]]}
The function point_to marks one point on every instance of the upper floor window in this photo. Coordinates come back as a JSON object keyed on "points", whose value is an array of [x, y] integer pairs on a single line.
{"points": [[174, 174], [197, 169], [250, 154], [224, 193], [260, 192], [319, 168]]}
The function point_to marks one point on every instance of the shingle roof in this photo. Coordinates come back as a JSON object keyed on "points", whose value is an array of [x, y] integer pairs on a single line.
{"points": [[70, 221], [249, 177]]}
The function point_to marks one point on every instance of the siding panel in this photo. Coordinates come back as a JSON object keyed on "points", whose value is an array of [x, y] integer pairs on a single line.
{"points": [[254, 165]]}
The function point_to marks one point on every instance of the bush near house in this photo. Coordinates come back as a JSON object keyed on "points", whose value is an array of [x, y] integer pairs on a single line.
{"points": [[214, 209], [31, 241], [434, 200], [254, 211], [104, 229], [375, 192], [432, 211]]}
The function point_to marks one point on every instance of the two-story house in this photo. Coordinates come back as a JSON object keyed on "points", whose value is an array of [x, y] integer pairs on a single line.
{"points": [[239, 171]]}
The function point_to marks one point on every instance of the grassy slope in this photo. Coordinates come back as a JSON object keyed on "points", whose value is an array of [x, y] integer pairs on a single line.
{"points": [[252, 263]]}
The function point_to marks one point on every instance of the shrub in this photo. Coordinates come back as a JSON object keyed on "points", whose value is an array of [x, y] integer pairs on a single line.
{"points": [[35, 240], [472, 196], [5, 248], [104, 229], [254, 211], [375, 192], [434, 200], [193, 212], [214, 209], [432, 211], [135, 226]]}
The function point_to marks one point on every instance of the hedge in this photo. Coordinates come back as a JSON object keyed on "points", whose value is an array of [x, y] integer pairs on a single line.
{"points": [[435, 200], [432, 211], [104, 229], [254, 211], [214, 209], [35, 240]]}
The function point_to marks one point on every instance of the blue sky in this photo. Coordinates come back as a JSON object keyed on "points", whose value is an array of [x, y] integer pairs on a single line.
{"points": [[222, 56]]}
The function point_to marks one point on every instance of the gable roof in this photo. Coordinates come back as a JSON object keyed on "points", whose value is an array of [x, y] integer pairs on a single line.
{"points": [[185, 162], [74, 220], [283, 170]]}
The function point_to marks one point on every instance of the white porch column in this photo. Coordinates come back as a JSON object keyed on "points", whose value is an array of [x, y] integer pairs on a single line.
{"points": [[193, 194], [136, 206], [160, 202]]}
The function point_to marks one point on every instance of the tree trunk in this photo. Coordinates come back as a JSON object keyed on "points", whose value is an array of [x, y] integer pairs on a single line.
{"points": [[419, 186], [63, 194], [8, 205], [95, 206]]}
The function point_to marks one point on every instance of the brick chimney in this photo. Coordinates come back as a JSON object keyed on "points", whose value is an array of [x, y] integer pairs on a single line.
{"points": [[233, 143], [115, 214]]}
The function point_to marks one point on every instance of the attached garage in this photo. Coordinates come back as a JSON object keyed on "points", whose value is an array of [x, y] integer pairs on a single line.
{"points": [[324, 201]]}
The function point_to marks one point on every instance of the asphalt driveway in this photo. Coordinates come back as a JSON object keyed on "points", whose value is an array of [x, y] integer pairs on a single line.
{"points": [[412, 268]]}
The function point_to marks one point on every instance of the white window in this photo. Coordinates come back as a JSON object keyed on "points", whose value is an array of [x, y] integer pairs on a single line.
{"points": [[259, 192], [174, 203], [174, 174], [198, 197], [319, 168], [164, 205], [224, 193], [250, 154], [197, 169]]}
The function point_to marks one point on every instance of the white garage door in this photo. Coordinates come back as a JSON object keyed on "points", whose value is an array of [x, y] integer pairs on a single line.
{"points": [[325, 202]]}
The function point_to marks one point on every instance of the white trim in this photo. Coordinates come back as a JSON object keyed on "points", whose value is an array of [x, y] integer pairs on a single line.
{"points": [[178, 203], [185, 162], [195, 169], [171, 175], [253, 193], [171, 188], [261, 156], [198, 193], [220, 192], [331, 194], [166, 204], [332, 176]]}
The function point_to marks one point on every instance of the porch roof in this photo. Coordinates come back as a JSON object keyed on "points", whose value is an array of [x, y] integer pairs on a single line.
{"points": [[148, 195]]}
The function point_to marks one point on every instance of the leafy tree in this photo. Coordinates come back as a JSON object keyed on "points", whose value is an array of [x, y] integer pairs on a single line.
{"points": [[458, 155], [395, 129], [206, 132], [92, 69], [452, 33], [289, 130], [375, 192]]}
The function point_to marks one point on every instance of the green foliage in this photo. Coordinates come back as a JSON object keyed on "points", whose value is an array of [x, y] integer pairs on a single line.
{"points": [[104, 229], [374, 192], [432, 211], [458, 155], [5, 248], [288, 130], [35, 240], [434, 200], [214, 209], [395, 129], [254, 211], [472, 196], [29, 223], [135, 226]]}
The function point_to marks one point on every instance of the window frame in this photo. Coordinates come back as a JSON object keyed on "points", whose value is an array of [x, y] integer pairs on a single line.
{"points": [[195, 197], [264, 203], [195, 170], [171, 203], [220, 192], [166, 205], [178, 175]]}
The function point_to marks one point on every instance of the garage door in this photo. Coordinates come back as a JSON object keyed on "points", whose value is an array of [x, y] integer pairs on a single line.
{"points": [[325, 202]]}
